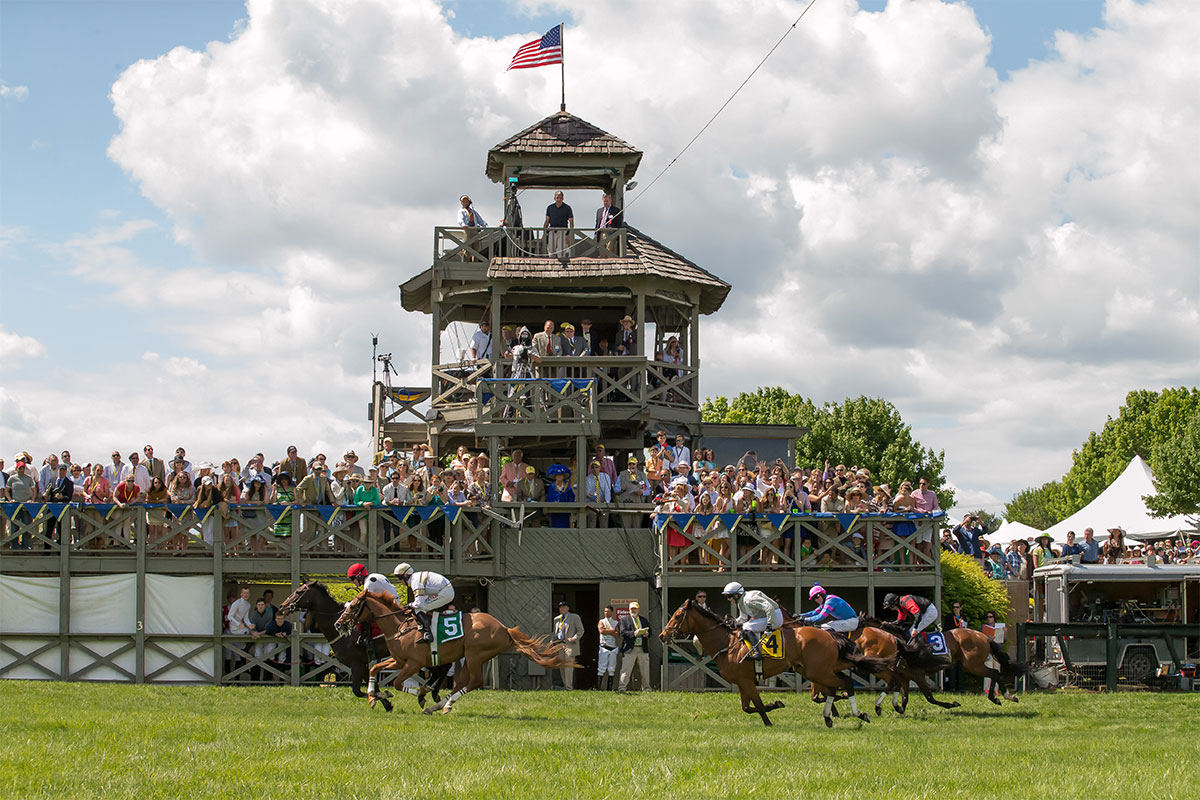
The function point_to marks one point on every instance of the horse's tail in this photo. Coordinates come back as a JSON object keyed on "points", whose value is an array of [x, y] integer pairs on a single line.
{"points": [[850, 652], [1008, 667], [543, 652]]}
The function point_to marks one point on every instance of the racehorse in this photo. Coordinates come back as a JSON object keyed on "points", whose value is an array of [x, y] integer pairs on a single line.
{"points": [[908, 663], [483, 639], [815, 652], [973, 650], [323, 610]]}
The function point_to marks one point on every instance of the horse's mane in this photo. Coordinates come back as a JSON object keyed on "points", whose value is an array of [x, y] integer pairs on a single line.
{"points": [[707, 612], [884, 625], [389, 601]]}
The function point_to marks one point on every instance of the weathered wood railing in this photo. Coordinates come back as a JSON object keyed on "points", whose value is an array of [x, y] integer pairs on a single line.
{"points": [[532, 402], [480, 245]]}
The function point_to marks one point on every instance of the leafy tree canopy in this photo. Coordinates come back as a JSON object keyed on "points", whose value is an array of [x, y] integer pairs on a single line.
{"points": [[863, 431], [1154, 425]]}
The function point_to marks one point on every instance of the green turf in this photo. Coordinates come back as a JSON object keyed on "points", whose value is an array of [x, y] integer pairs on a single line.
{"points": [[87, 740]]}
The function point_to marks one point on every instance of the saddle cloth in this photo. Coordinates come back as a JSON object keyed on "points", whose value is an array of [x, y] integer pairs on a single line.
{"points": [[772, 644], [937, 642], [447, 627]]}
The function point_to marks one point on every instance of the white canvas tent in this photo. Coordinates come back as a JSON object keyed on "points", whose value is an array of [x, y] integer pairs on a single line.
{"points": [[1121, 505], [1011, 531]]}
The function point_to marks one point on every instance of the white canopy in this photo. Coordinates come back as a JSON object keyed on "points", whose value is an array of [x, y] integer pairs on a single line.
{"points": [[1011, 531], [1121, 506]]}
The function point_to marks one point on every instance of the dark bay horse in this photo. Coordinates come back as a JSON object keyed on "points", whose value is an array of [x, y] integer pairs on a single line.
{"points": [[908, 663], [811, 651], [484, 639], [323, 611], [976, 652]]}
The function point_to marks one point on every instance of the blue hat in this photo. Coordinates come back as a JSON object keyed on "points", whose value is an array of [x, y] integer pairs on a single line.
{"points": [[557, 469]]}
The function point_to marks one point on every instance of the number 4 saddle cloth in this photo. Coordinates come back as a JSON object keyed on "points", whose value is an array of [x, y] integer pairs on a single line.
{"points": [[771, 645]]}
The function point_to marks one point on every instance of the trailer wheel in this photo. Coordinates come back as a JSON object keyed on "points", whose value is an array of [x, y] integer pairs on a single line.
{"points": [[1139, 663]]}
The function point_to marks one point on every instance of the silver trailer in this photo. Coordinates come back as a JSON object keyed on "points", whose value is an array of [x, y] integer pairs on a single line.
{"points": [[1141, 601]]}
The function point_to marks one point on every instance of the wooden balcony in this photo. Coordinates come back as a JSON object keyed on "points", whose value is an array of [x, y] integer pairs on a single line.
{"points": [[453, 245], [536, 407], [621, 383]]}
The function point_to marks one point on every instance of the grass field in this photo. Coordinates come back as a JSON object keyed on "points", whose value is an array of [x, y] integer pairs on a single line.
{"points": [[88, 740]]}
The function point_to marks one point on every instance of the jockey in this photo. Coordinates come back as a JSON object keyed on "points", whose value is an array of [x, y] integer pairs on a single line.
{"points": [[373, 582], [834, 613], [756, 613], [914, 609], [429, 590]]}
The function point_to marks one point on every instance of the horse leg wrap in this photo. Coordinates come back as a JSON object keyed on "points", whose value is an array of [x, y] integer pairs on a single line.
{"points": [[371, 686], [854, 705], [829, 707]]}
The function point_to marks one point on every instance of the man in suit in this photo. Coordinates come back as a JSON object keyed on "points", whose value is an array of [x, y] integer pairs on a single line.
{"points": [[607, 218], [568, 629], [635, 646], [61, 490], [547, 343], [314, 489], [155, 466]]}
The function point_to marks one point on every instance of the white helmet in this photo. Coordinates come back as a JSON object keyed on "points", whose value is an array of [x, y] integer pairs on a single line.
{"points": [[732, 589], [403, 569]]}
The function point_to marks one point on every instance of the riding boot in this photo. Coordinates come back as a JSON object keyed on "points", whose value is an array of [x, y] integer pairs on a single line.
{"points": [[426, 626], [753, 642], [612, 683]]}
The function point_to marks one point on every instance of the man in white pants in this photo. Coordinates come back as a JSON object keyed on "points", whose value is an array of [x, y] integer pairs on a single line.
{"points": [[832, 612], [606, 663], [635, 646], [756, 614], [429, 591]]}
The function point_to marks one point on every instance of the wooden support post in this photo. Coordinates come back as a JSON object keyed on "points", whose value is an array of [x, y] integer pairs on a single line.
{"points": [[294, 565], [1112, 652], [64, 607], [497, 341], [581, 477], [218, 597], [140, 593]]}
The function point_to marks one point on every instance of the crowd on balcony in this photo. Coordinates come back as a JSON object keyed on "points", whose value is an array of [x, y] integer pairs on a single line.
{"points": [[1017, 559]]}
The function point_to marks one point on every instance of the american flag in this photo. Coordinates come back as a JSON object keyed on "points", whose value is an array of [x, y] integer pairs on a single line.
{"points": [[540, 52]]}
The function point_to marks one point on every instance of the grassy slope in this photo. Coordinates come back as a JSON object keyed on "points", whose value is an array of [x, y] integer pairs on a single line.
{"points": [[73, 740]]}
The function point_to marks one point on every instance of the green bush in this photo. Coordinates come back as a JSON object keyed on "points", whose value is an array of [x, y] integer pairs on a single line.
{"points": [[964, 580]]}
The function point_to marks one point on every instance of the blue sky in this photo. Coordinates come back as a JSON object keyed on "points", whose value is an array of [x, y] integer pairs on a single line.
{"points": [[1025, 168], [57, 181]]}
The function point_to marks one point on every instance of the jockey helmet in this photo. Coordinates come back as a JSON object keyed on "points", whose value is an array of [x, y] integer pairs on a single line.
{"points": [[403, 569], [816, 590], [356, 570], [891, 600], [732, 589]]}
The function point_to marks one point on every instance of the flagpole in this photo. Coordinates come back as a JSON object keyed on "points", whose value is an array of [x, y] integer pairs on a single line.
{"points": [[562, 63]]}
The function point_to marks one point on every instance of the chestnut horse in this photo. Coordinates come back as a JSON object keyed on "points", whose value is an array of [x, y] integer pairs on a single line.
{"points": [[322, 609], [974, 650], [908, 663], [811, 651], [484, 638]]}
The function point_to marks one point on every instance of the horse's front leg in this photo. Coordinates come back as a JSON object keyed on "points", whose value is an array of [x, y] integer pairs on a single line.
{"points": [[751, 700]]}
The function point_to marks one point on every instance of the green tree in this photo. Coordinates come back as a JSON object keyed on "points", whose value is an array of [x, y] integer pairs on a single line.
{"points": [[964, 580], [863, 431], [1035, 506], [1146, 425], [1177, 476]]}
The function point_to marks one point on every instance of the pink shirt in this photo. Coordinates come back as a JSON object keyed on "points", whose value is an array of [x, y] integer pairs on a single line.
{"points": [[926, 501]]}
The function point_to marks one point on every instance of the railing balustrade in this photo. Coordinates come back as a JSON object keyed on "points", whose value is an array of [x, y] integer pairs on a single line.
{"points": [[480, 245]]}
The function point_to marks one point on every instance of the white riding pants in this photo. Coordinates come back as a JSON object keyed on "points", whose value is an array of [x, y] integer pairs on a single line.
{"points": [[841, 625], [928, 618], [606, 664], [430, 602], [768, 623]]}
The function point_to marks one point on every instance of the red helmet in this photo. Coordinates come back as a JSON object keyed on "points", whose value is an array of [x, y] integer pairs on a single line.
{"points": [[356, 570]]}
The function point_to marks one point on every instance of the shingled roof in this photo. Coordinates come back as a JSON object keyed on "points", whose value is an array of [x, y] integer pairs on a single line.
{"points": [[647, 257], [564, 134]]}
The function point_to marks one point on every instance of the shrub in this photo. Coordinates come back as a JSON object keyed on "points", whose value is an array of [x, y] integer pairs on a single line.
{"points": [[964, 580]]}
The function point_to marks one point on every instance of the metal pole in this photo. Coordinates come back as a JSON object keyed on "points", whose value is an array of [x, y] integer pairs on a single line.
{"points": [[562, 64]]}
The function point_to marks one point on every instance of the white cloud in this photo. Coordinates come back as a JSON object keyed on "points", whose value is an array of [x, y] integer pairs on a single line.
{"points": [[15, 92], [1002, 259], [15, 348]]}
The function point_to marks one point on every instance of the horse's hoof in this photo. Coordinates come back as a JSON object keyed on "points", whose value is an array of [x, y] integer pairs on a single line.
{"points": [[447, 709], [429, 711], [1014, 699], [421, 700], [865, 717], [996, 701], [371, 701], [955, 704], [779, 704], [878, 711], [829, 722]]}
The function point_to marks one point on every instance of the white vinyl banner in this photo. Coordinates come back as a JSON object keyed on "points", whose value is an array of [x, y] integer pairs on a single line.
{"points": [[103, 604], [180, 606], [29, 605]]}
